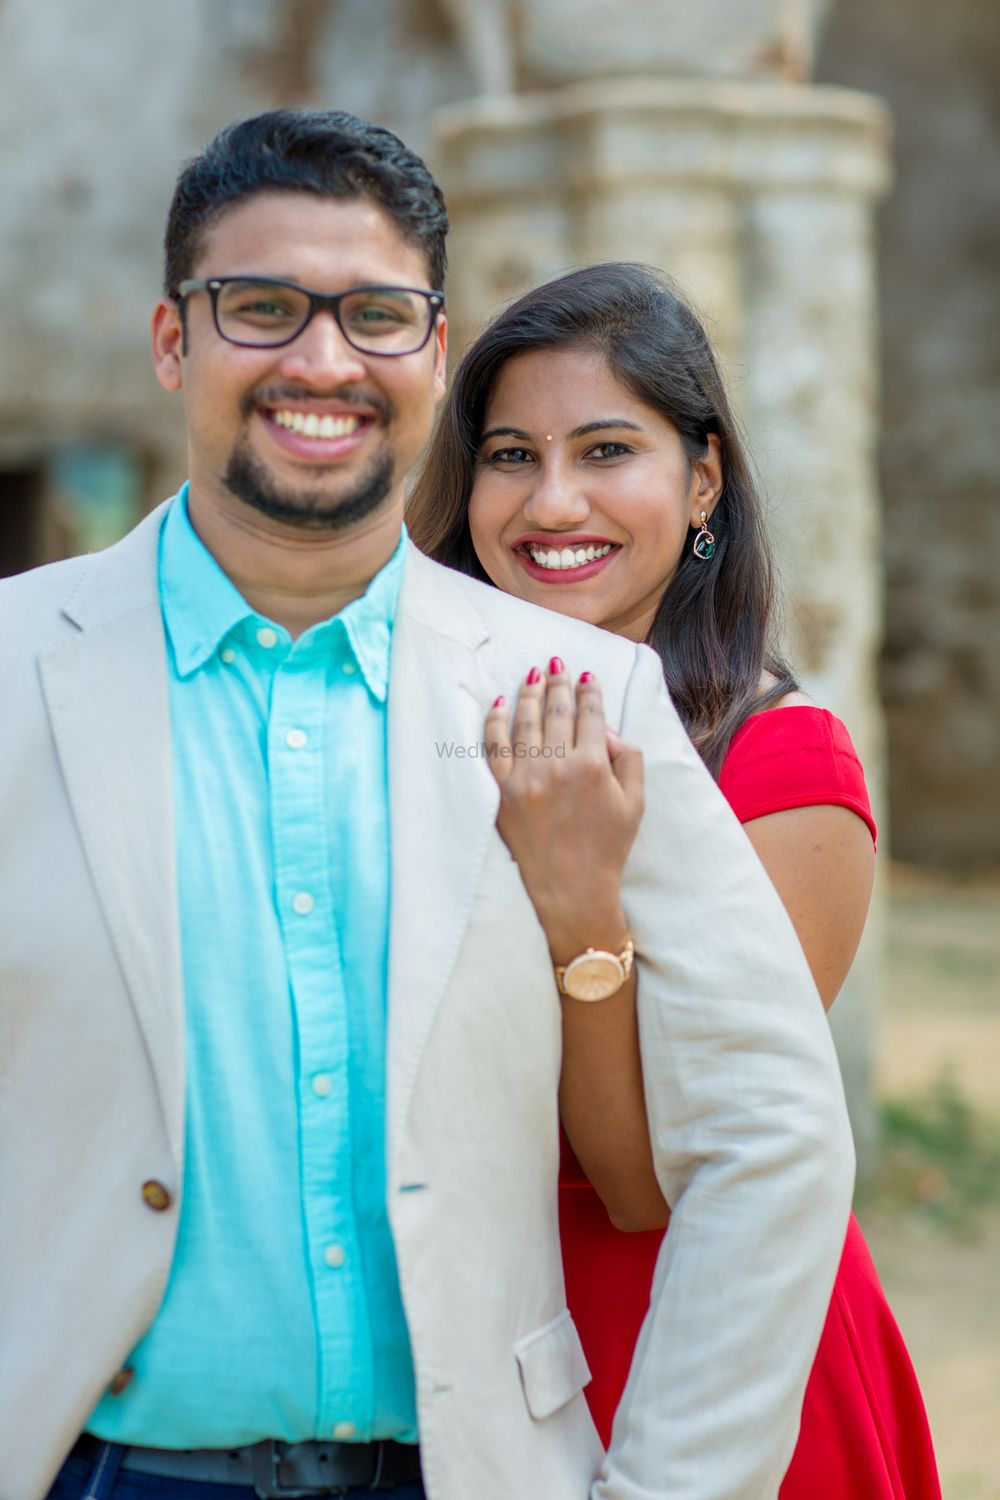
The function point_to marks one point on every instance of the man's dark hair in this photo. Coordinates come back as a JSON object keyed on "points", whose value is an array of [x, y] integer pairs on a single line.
{"points": [[324, 152]]}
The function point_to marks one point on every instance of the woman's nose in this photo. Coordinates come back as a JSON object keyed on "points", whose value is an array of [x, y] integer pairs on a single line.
{"points": [[556, 500]]}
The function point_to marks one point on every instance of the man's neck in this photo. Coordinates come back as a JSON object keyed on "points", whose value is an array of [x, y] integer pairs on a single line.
{"points": [[292, 575]]}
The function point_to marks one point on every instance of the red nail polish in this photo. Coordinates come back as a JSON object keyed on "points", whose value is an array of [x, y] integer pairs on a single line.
{"points": [[534, 676], [499, 702], [556, 665], [586, 676]]}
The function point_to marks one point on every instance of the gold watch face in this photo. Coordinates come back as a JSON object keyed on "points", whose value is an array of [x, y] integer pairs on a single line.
{"points": [[593, 976]]}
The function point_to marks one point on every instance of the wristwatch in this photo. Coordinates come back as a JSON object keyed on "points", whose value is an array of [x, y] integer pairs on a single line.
{"points": [[595, 974]]}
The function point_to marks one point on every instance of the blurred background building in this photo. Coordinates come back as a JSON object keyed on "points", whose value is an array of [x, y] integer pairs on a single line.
{"points": [[720, 157]]}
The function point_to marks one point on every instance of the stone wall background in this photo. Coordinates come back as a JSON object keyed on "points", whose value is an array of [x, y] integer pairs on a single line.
{"points": [[99, 100], [938, 67]]}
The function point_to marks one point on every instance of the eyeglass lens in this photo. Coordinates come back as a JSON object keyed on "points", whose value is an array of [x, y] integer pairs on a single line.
{"points": [[381, 320]]}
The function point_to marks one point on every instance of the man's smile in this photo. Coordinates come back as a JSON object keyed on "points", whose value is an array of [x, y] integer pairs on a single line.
{"points": [[324, 430], [313, 426]]}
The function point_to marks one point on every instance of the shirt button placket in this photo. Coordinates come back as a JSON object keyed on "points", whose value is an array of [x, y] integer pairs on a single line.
{"points": [[299, 778]]}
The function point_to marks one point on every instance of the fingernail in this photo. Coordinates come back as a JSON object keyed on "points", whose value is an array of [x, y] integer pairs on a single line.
{"points": [[556, 665], [534, 676], [586, 676], [499, 702]]}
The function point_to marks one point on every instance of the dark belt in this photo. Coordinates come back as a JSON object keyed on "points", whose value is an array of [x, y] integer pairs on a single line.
{"points": [[277, 1471]]}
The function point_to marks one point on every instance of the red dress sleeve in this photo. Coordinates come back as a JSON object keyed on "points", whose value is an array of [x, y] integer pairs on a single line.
{"points": [[793, 757]]}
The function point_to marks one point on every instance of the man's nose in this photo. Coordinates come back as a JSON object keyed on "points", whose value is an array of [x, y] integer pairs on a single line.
{"points": [[321, 355]]}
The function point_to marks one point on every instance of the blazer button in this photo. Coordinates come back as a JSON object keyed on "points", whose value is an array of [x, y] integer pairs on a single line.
{"points": [[121, 1381], [155, 1195]]}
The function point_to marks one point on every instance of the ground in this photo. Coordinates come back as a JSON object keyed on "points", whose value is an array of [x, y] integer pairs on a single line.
{"points": [[932, 1214]]}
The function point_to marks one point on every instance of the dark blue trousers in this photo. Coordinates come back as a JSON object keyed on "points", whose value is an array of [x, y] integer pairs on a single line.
{"points": [[79, 1479]]}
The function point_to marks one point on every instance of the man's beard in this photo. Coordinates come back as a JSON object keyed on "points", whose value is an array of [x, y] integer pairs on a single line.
{"points": [[311, 510]]}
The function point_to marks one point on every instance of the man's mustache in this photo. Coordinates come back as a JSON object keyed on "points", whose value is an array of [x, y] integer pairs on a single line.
{"points": [[274, 395]]}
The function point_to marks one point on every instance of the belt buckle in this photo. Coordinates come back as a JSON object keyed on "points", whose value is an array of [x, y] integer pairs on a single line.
{"points": [[264, 1461]]}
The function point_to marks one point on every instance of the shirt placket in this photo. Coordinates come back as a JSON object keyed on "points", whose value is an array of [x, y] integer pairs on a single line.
{"points": [[297, 752]]}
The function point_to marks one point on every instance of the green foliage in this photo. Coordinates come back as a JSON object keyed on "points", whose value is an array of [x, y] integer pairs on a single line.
{"points": [[938, 1158]]}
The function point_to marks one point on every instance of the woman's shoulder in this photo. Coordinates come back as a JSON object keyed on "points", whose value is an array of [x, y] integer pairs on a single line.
{"points": [[793, 754]]}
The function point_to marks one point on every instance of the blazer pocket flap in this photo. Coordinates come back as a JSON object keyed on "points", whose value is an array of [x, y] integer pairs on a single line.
{"points": [[553, 1365]]}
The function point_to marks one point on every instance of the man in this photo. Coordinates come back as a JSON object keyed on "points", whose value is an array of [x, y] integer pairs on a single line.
{"points": [[279, 1119]]}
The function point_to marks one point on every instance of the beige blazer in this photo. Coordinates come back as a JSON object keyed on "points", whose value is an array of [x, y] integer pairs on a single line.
{"points": [[747, 1114]]}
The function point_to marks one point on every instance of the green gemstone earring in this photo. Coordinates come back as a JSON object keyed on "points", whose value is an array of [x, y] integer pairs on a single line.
{"points": [[703, 545]]}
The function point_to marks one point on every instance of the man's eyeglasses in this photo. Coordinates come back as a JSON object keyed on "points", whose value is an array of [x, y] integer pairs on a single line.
{"points": [[265, 312]]}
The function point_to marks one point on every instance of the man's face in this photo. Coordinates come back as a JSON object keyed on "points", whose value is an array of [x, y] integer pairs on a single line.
{"points": [[246, 408]]}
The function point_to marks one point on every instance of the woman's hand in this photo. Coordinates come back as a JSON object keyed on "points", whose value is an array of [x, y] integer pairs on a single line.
{"points": [[571, 797]]}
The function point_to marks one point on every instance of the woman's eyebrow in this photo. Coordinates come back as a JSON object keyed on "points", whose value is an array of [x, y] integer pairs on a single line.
{"points": [[603, 425], [514, 432]]}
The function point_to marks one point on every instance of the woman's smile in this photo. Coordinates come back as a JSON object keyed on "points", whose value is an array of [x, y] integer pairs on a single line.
{"points": [[564, 557]]}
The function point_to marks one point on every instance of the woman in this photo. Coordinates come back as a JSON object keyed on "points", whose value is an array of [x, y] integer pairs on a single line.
{"points": [[587, 461]]}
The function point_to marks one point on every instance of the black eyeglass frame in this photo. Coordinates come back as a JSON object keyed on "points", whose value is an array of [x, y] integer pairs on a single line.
{"points": [[318, 302]]}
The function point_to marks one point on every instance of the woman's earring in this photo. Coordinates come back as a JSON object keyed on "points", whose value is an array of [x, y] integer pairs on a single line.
{"points": [[703, 545]]}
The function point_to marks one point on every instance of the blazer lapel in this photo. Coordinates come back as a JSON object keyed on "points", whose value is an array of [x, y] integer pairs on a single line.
{"points": [[443, 805], [106, 692]]}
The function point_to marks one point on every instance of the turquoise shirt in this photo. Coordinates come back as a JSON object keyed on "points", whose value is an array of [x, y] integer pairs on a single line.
{"points": [[282, 1316]]}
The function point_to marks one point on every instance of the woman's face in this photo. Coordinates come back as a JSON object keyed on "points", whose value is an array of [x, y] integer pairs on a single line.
{"points": [[582, 494]]}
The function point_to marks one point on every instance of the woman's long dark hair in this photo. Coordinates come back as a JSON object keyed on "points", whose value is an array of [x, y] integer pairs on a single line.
{"points": [[712, 628]]}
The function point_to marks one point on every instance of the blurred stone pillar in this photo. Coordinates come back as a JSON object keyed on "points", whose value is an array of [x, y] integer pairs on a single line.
{"points": [[811, 406], [758, 197]]}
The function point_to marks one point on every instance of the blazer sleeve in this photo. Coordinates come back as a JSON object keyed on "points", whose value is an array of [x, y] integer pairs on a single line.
{"points": [[750, 1137]]}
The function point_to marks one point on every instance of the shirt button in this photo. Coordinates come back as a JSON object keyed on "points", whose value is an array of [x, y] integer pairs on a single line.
{"points": [[344, 1431], [349, 668], [267, 637], [334, 1255], [296, 739], [121, 1381], [322, 1085], [155, 1195], [229, 656], [303, 903]]}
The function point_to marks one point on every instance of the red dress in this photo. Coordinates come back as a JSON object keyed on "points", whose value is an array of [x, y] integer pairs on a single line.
{"points": [[864, 1432]]}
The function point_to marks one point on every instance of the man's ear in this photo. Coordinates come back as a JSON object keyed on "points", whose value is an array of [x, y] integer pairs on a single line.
{"points": [[440, 338], [707, 480], [166, 336]]}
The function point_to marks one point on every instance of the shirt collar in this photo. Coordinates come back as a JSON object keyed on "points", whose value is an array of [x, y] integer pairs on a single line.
{"points": [[201, 606], [368, 622]]}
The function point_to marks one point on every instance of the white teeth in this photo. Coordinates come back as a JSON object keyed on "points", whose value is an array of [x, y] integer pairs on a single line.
{"points": [[310, 424], [568, 557]]}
